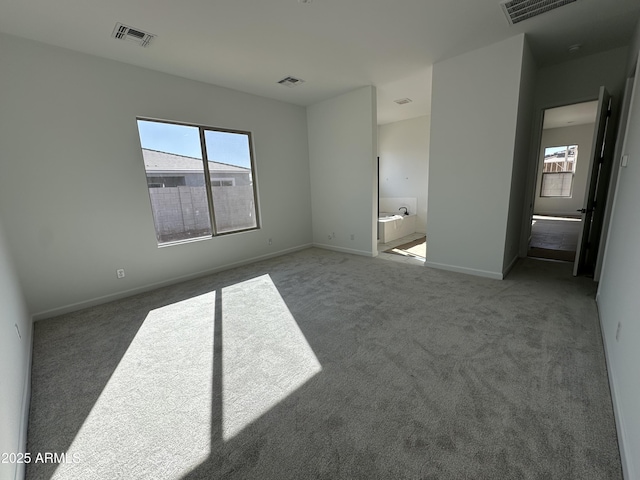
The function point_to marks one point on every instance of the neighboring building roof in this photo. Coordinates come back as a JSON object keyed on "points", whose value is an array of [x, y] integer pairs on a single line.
{"points": [[155, 161]]}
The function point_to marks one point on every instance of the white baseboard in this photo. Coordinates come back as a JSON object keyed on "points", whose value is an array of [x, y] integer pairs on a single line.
{"points": [[627, 467], [20, 470], [345, 250], [54, 312], [468, 271]]}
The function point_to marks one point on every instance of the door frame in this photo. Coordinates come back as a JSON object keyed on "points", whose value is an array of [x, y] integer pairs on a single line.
{"points": [[595, 197], [621, 127], [534, 166]]}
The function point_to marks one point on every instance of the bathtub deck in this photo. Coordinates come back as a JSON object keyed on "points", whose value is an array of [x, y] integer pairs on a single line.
{"points": [[399, 227]]}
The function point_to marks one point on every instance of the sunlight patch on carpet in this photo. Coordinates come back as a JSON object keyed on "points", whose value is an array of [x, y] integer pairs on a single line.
{"points": [[162, 383], [265, 356], [416, 248]]}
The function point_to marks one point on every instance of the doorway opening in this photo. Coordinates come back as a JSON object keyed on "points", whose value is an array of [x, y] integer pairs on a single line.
{"points": [[563, 164], [573, 192], [403, 169]]}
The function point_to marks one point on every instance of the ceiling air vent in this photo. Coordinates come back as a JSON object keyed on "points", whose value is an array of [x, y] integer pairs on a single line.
{"points": [[520, 10], [290, 81], [124, 32], [403, 101]]}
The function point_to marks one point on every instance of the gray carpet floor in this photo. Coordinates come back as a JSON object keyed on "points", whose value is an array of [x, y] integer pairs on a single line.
{"points": [[325, 365]]}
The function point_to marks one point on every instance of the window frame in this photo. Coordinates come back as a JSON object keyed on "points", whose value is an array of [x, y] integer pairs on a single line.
{"points": [[222, 180], [572, 172], [207, 180]]}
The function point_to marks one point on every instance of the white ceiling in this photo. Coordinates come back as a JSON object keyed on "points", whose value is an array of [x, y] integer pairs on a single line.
{"points": [[570, 115], [335, 45]]}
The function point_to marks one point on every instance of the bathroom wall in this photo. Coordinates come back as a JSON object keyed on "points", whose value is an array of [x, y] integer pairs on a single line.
{"points": [[393, 204], [403, 148]]}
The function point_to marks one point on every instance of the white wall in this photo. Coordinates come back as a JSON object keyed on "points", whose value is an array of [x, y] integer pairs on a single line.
{"points": [[73, 193], [473, 130], [403, 148], [581, 135], [634, 48], [521, 155], [342, 158], [15, 363], [579, 80], [618, 299]]}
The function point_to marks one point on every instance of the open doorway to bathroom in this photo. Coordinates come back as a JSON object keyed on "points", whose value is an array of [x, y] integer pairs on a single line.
{"points": [[402, 189], [398, 237]]}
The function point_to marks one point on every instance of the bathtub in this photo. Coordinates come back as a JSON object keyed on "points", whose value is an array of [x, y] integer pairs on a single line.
{"points": [[392, 226]]}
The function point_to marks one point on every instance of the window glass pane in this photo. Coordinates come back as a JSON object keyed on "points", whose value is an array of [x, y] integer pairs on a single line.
{"points": [[176, 181], [231, 173], [558, 169], [556, 184]]}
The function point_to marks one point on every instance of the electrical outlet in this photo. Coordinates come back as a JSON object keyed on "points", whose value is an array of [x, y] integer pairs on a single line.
{"points": [[270, 241], [353, 237], [618, 331], [120, 272]]}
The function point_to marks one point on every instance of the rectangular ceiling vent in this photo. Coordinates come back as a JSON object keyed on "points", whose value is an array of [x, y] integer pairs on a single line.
{"points": [[124, 32], [403, 101], [291, 81], [519, 10]]}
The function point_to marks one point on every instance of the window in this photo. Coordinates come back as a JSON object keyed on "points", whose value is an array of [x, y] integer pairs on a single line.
{"points": [[163, 182], [200, 180], [558, 171], [222, 182]]}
